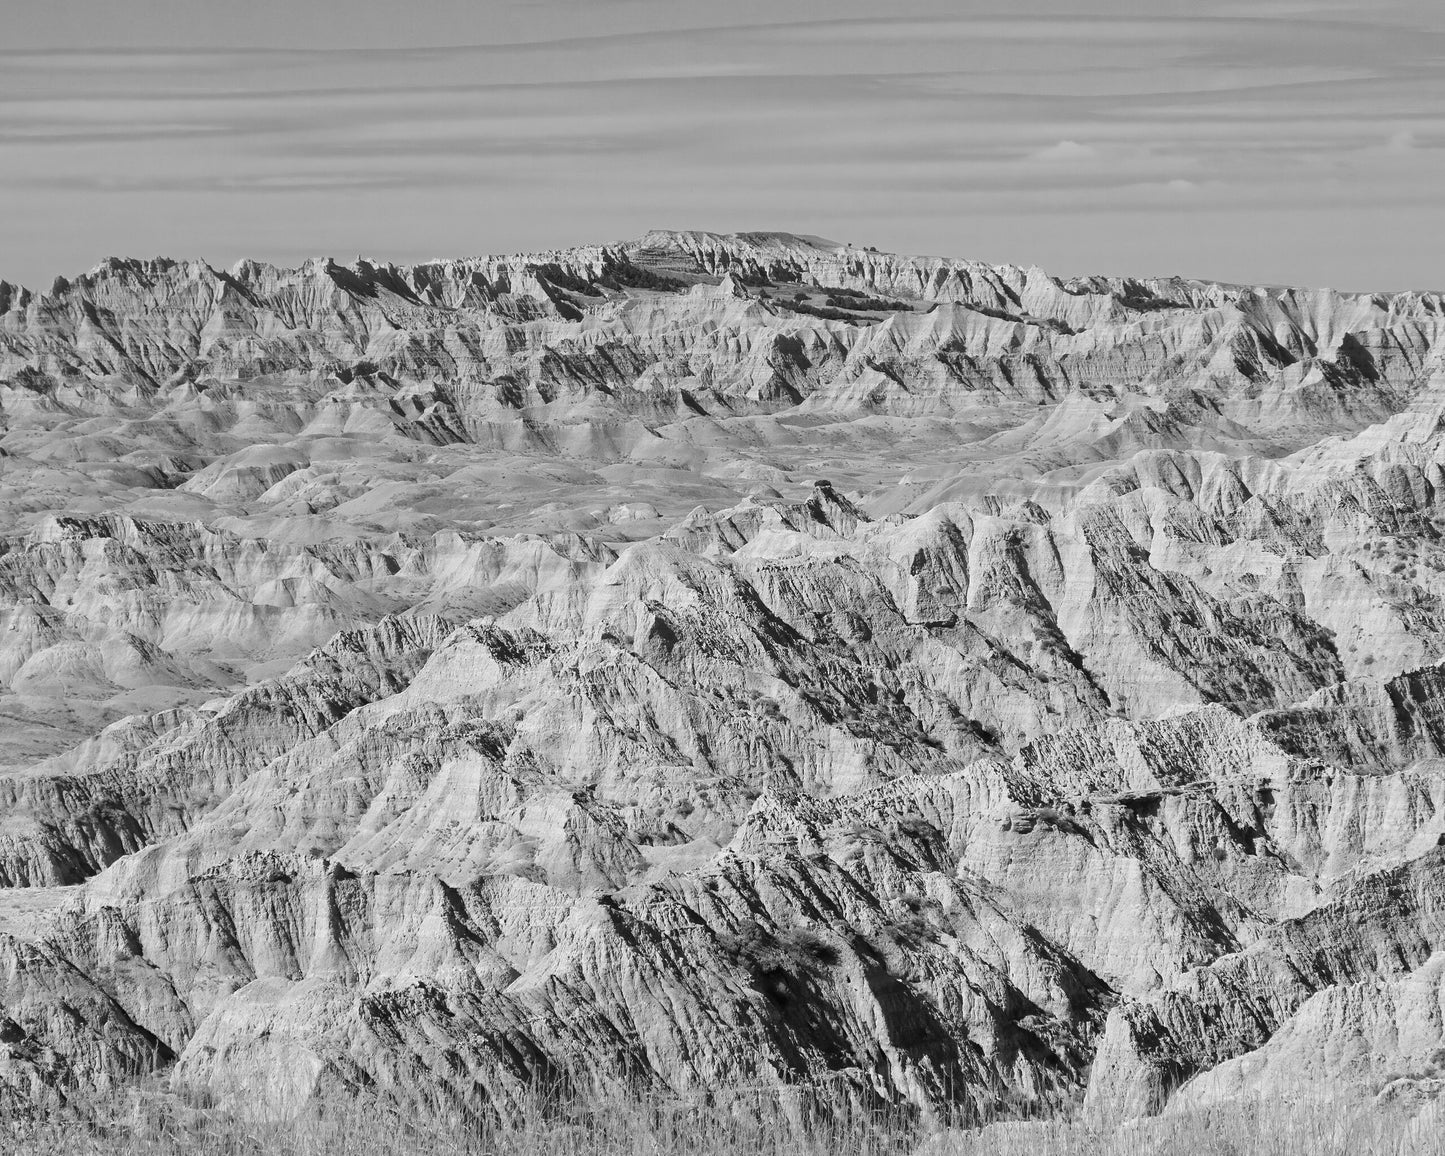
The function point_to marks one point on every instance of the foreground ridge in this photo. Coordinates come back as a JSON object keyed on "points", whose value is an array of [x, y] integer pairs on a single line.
{"points": [[721, 661]]}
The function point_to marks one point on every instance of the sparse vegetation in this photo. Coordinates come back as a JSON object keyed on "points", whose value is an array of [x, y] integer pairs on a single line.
{"points": [[770, 1123], [914, 924], [841, 304], [827, 313], [784, 950], [856, 299], [802, 1121], [640, 277]]}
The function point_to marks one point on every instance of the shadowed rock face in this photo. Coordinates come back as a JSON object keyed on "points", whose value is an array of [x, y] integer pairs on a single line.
{"points": [[442, 678]]}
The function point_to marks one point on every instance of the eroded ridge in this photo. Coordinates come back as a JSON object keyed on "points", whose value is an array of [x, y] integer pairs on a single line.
{"points": [[721, 662]]}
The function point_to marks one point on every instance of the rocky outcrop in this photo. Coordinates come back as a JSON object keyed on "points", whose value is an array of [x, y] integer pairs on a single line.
{"points": [[720, 661]]}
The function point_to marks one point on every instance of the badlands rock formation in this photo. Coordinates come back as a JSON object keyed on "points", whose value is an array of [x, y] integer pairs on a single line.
{"points": [[721, 661]]}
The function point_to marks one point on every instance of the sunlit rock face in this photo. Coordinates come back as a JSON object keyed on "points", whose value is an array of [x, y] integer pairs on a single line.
{"points": [[721, 661]]}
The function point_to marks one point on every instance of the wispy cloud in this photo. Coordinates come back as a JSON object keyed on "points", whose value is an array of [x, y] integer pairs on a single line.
{"points": [[594, 120]]}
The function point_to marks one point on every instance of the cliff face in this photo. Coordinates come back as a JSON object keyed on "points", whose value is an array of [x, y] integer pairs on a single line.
{"points": [[439, 678]]}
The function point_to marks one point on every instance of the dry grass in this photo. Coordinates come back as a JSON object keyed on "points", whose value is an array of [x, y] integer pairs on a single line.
{"points": [[151, 1123], [1247, 1128]]}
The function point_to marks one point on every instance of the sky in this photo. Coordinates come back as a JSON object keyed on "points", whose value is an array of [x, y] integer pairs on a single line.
{"points": [[1268, 141]]}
